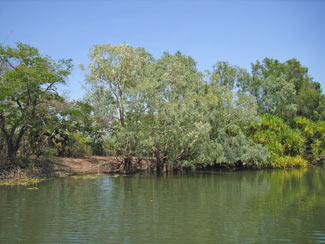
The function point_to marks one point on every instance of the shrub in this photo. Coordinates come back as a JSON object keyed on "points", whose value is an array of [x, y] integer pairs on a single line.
{"points": [[314, 133], [285, 144], [78, 145], [287, 162]]}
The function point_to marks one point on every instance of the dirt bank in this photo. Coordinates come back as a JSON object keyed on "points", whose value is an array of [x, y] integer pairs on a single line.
{"points": [[95, 165], [43, 168]]}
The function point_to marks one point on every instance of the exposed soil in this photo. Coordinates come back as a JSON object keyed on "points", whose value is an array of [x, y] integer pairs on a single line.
{"points": [[60, 167], [36, 170], [95, 165]]}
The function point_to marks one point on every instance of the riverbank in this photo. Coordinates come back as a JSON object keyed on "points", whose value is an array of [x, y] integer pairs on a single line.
{"points": [[55, 167]]}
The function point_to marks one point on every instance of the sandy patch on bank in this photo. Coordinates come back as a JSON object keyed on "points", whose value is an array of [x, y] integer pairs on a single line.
{"points": [[95, 165], [87, 165]]}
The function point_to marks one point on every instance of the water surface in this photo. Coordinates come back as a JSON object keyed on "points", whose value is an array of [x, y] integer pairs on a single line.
{"points": [[280, 206]]}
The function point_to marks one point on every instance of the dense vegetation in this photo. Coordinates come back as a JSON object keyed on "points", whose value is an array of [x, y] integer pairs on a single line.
{"points": [[163, 109]]}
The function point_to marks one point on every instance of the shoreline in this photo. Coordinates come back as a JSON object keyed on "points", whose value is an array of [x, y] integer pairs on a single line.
{"points": [[58, 167]]}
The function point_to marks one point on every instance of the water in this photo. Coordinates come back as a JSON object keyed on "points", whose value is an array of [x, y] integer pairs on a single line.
{"points": [[205, 207]]}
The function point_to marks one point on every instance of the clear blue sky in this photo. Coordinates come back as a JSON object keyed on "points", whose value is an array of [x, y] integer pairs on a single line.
{"points": [[235, 31]]}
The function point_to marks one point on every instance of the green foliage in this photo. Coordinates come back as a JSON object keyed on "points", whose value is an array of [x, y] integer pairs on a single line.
{"points": [[284, 89], [180, 136], [78, 120], [287, 162], [228, 76], [229, 116], [240, 149], [315, 138], [114, 74], [73, 131], [34, 119], [164, 110], [285, 144], [311, 104], [28, 84], [78, 145]]}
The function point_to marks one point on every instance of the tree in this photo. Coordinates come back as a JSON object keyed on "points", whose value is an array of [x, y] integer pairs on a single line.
{"points": [[113, 74], [229, 115], [284, 89], [311, 104], [116, 75], [164, 110], [179, 134], [229, 76], [28, 84], [73, 131]]}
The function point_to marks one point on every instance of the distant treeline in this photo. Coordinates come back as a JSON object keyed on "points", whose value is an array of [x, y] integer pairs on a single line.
{"points": [[160, 109]]}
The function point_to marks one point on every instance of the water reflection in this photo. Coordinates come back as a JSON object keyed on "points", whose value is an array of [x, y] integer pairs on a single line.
{"points": [[204, 207]]}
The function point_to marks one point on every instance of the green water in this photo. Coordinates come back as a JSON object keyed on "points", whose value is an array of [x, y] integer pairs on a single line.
{"points": [[282, 206]]}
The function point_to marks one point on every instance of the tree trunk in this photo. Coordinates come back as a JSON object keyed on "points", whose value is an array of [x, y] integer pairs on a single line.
{"points": [[11, 151], [160, 166], [126, 166], [13, 145], [122, 117]]}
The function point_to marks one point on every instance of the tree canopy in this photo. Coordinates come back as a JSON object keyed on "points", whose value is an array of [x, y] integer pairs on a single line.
{"points": [[161, 109], [28, 90], [164, 108]]}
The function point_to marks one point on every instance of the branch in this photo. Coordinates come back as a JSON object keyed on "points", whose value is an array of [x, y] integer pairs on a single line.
{"points": [[19, 104], [10, 64], [49, 87]]}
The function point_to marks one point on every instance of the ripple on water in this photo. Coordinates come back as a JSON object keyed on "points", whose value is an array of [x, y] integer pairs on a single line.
{"points": [[240, 207]]}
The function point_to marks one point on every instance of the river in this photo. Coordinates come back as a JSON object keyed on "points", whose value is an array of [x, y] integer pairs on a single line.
{"points": [[270, 206]]}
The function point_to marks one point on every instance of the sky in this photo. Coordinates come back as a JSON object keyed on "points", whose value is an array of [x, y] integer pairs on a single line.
{"points": [[239, 32]]}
